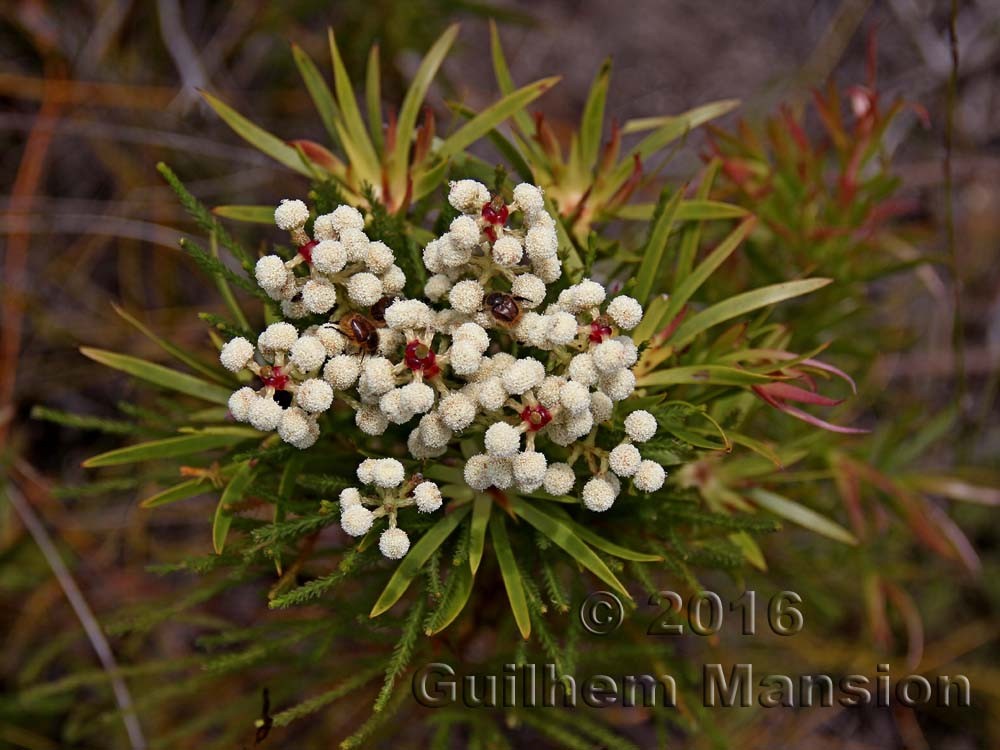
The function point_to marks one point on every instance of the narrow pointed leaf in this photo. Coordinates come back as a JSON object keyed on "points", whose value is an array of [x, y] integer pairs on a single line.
{"points": [[601, 542], [250, 214], [351, 127], [185, 445], [801, 515], [182, 491], [318, 89], [458, 597], [231, 495], [511, 576], [656, 245], [702, 375], [373, 96], [592, 120], [481, 508], [689, 210], [410, 565], [160, 375], [504, 79]]}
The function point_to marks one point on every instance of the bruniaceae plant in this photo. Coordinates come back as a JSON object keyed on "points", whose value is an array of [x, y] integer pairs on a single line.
{"points": [[465, 374]]}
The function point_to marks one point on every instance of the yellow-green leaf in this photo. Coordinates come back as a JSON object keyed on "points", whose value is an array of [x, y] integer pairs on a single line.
{"points": [[160, 375], [801, 515], [185, 445], [458, 596], [511, 576], [251, 214], [702, 375], [230, 496], [656, 246], [481, 508]]}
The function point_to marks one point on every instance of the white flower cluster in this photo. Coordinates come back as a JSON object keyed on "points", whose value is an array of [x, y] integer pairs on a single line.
{"points": [[389, 493], [396, 360]]}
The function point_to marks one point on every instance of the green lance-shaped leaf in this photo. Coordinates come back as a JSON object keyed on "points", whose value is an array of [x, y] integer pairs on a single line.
{"points": [[511, 576], [689, 210], [702, 375], [563, 536], [801, 515], [456, 596], [318, 89], [182, 491], [602, 543], [410, 565], [492, 116], [351, 132], [481, 508], [373, 95], [223, 514], [256, 136], [506, 82], [160, 375], [741, 304], [592, 120], [656, 245], [250, 214], [185, 445]]}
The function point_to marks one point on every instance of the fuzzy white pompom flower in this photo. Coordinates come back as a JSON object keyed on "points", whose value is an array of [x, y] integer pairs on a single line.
{"points": [[308, 353], [464, 232], [271, 273], [293, 309], [437, 287], [598, 495], [609, 356], [559, 479], [393, 280], [465, 358], [323, 228], [574, 397], [342, 371], [377, 376], [319, 296], [640, 425], [278, 337], [392, 406], [529, 470], [366, 470], [547, 269], [431, 254], [588, 294], [417, 397], [264, 414], [329, 256], [474, 334], [314, 395], [408, 314], [332, 338], [294, 426], [356, 520], [364, 289], [562, 328], [452, 255], [631, 350], [394, 543], [523, 375], [502, 440], [379, 257], [427, 496], [619, 385], [466, 296], [601, 407], [387, 473], [468, 196], [346, 217], [491, 394], [548, 390], [501, 473], [579, 424], [625, 311], [355, 244], [582, 370], [533, 329], [291, 214], [433, 431], [624, 459], [236, 354], [507, 251], [649, 477], [349, 496], [528, 198], [370, 420], [240, 403], [529, 289], [477, 472], [457, 411], [541, 242]]}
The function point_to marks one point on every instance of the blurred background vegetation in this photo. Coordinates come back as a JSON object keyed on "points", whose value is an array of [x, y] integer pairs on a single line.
{"points": [[95, 92]]}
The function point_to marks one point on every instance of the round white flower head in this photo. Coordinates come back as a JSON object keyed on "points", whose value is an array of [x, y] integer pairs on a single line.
{"points": [[323, 228], [501, 473], [390, 342], [264, 414], [582, 370], [468, 196], [477, 472], [434, 433], [346, 217], [528, 198], [588, 294], [366, 471], [491, 394], [417, 397], [356, 520], [523, 375], [392, 406], [474, 334], [598, 495], [240, 403], [465, 358], [507, 251], [541, 242], [349, 496], [601, 407], [631, 350], [293, 308], [408, 314], [332, 339], [502, 440], [624, 459], [574, 397], [548, 390], [364, 289], [533, 329], [466, 296], [355, 244], [427, 497], [329, 256], [379, 257], [291, 214], [619, 386], [547, 269], [640, 425], [529, 288], [464, 232], [314, 395], [625, 311], [452, 254], [431, 254], [529, 470], [377, 376], [388, 473], [319, 296], [236, 354], [294, 426], [341, 371], [370, 420], [393, 280], [394, 543], [437, 287], [419, 449], [562, 329], [457, 411], [559, 479], [308, 353], [649, 476], [278, 337], [271, 273], [579, 424], [609, 356]]}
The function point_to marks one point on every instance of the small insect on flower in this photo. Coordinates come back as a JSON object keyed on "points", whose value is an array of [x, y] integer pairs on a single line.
{"points": [[504, 308], [361, 331]]}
